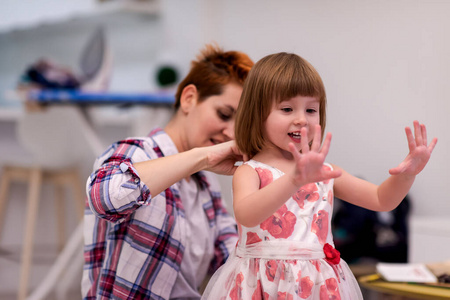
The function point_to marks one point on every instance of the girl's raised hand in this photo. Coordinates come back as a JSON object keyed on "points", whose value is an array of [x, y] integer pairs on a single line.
{"points": [[419, 151], [309, 163]]}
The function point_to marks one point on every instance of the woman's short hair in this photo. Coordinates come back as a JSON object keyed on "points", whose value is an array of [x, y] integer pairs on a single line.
{"points": [[276, 77], [213, 69]]}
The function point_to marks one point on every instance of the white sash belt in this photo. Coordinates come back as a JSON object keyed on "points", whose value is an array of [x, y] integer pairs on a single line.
{"points": [[281, 249]]}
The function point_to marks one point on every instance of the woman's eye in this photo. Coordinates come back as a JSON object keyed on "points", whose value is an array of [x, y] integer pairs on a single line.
{"points": [[223, 116]]}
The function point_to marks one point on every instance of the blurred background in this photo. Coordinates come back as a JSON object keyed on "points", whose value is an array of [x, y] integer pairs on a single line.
{"points": [[384, 64]]}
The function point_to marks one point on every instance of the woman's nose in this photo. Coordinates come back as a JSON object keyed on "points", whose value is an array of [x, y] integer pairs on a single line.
{"points": [[228, 131]]}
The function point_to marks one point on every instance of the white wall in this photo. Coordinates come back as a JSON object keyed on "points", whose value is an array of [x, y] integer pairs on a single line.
{"points": [[384, 64]]}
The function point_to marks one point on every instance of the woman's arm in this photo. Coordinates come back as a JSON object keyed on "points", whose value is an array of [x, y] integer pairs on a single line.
{"points": [[393, 190], [127, 176], [159, 174]]}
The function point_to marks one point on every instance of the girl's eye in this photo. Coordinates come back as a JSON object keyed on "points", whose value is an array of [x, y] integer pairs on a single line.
{"points": [[286, 109], [223, 116], [311, 110]]}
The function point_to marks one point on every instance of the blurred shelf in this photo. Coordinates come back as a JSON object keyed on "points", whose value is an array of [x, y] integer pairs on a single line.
{"points": [[43, 97], [84, 11]]}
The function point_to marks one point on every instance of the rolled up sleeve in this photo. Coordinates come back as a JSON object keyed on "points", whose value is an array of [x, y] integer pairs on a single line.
{"points": [[115, 189]]}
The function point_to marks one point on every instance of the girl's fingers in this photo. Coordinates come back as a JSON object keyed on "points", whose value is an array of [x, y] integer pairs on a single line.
{"points": [[317, 139], [304, 140], [326, 144], [410, 138], [333, 174], [424, 134], [432, 144], [294, 151], [418, 133]]}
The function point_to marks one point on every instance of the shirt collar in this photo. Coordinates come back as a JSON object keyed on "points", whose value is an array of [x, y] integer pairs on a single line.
{"points": [[164, 142], [167, 147]]}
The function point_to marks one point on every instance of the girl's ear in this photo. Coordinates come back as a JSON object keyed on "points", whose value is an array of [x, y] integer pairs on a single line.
{"points": [[189, 97]]}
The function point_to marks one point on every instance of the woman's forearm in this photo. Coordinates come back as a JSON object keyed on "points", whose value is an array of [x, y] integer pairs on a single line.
{"points": [[159, 174]]}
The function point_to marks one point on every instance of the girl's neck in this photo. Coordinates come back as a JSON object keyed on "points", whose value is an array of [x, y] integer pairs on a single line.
{"points": [[277, 158]]}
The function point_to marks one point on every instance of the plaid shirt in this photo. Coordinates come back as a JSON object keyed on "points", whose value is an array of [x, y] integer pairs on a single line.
{"points": [[134, 242]]}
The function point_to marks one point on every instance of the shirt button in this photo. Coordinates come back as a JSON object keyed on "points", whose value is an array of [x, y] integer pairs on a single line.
{"points": [[136, 180], [123, 167]]}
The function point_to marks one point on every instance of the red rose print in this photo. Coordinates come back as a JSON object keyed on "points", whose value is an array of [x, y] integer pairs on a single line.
{"points": [[305, 286], [330, 198], [299, 275], [316, 264], [265, 176], [252, 238], [330, 290], [284, 296], [272, 268], [236, 291], [257, 294], [319, 225], [307, 192], [280, 224], [331, 255]]}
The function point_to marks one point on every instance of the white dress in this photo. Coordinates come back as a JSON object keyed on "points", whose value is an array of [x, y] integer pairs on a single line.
{"points": [[284, 257]]}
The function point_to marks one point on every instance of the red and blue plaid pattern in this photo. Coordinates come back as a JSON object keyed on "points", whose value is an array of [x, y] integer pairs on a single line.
{"points": [[134, 241]]}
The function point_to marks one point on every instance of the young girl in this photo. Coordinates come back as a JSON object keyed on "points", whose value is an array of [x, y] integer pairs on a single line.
{"points": [[283, 196]]}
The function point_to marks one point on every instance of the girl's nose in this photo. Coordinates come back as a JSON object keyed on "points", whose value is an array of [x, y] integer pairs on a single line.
{"points": [[300, 119]]}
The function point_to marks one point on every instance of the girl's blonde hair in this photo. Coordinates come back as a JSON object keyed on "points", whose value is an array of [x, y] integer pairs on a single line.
{"points": [[276, 77]]}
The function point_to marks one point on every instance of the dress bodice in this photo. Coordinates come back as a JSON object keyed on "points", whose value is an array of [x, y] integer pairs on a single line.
{"points": [[306, 216]]}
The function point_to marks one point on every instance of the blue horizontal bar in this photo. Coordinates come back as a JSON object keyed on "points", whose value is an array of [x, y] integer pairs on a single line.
{"points": [[80, 97]]}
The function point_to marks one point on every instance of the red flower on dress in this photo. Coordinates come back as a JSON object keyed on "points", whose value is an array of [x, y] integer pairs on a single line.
{"points": [[236, 291], [305, 286], [257, 294], [308, 192], [284, 296], [319, 225], [330, 197], [265, 177], [252, 238], [316, 264], [280, 224], [330, 290], [272, 268], [332, 255]]}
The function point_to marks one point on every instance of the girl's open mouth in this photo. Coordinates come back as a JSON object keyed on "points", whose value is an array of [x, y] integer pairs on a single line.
{"points": [[295, 136]]}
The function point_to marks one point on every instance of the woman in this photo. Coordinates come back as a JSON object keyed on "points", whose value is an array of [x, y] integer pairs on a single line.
{"points": [[155, 225]]}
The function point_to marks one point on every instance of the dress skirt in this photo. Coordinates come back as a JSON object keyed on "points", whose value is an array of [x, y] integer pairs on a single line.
{"points": [[282, 269]]}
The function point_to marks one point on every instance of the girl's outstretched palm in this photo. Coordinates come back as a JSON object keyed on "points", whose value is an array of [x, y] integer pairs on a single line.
{"points": [[309, 163], [419, 151]]}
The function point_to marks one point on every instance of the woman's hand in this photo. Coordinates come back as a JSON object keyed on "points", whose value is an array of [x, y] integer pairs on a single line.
{"points": [[221, 158], [419, 151], [309, 163]]}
